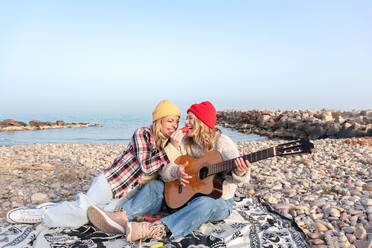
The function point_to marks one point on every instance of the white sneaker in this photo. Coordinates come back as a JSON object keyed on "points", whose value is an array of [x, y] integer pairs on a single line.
{"points": [[28, 215]]}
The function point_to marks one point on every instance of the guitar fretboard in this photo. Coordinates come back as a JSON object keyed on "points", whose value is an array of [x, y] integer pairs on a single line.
{"points": [[229, 165]]}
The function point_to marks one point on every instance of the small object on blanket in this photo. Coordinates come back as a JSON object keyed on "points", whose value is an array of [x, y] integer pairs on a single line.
{"points": [[151, 244], [148, 218], [157, 245]]}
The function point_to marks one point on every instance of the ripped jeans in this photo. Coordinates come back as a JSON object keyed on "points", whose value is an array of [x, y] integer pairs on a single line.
{"points": [[150, 198]]}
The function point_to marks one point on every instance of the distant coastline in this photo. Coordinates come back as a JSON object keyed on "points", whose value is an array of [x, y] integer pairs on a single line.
{"points": [[13, 125]]}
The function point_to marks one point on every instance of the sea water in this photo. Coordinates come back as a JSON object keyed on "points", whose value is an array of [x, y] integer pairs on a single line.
{"points": [[115, 129]]}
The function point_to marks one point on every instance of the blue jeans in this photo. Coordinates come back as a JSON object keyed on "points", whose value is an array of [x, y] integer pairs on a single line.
{"points": [[150, 198]]}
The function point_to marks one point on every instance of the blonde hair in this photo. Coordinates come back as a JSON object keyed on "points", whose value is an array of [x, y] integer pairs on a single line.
{"points": [[204, 136], [156, 133]]}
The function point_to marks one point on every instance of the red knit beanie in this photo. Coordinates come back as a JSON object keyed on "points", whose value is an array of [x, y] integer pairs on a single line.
{"points": [[205, 112]]}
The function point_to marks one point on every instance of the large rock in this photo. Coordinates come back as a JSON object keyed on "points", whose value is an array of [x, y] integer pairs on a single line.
{"points": [[11, 122], [49, 123], [39, 198], [60, 123], [34, 123], [326, 116]]}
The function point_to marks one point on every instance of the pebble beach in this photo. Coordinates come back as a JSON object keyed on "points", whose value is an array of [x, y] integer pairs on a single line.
{"points": [[327, 193]]}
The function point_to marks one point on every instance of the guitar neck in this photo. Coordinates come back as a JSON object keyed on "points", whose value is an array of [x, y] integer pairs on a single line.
{"points": [[229, 165]]}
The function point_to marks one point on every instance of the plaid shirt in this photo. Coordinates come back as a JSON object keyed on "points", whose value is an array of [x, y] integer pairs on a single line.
{"points": [[139, 159]]}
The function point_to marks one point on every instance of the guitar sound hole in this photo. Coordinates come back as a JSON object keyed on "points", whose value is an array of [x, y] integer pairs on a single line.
{"points": [[203, 173]]}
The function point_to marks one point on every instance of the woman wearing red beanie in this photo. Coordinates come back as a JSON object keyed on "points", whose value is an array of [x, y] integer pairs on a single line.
{"points": [[202, 137]]}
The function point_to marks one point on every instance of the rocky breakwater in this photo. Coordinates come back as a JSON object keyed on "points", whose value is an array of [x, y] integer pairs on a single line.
{"points": [[299, 123], [12, 125]]}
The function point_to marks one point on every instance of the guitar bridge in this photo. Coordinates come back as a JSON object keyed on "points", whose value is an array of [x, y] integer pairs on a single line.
{"points": [[180, 188]]}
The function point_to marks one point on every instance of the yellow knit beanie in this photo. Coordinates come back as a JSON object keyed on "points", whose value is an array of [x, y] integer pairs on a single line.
{"points": [[163, 109]]}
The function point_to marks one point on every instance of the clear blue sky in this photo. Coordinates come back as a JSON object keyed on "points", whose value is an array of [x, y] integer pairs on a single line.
{"points": [[125, 56]]}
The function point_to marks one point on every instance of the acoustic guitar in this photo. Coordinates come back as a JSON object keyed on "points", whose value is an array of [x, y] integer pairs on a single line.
{"points": [[204, 169]]}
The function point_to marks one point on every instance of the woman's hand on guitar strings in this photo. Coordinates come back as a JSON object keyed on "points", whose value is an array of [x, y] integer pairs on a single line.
{"points": [[182, 175], [242, 165]]}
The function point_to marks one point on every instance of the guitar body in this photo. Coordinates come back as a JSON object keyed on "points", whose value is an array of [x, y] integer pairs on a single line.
{"points": [[176, 196], [204, 169]]}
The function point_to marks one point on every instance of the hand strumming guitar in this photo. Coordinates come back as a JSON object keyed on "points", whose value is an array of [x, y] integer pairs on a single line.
{"points": [[182, 175]]}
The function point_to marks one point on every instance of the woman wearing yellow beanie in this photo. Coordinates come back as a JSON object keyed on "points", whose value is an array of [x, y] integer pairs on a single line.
{"points": [[150, 149]]}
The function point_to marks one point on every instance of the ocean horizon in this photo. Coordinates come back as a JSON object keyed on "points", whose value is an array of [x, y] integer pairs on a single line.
{"points": [[115, 129]]}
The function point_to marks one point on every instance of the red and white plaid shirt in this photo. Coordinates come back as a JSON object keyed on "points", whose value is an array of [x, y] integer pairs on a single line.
{"points": [[139, 159]]}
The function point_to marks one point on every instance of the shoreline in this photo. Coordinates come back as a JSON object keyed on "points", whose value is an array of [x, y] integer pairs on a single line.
{"points": [[328, 193]]}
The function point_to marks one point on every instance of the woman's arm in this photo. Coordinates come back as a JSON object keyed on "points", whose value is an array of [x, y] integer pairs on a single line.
{"points": [[149, 159], [228, 150], [170, 172]]}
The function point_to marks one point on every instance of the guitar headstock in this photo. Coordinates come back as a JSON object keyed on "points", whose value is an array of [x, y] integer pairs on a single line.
{"points": [[295, 147]]}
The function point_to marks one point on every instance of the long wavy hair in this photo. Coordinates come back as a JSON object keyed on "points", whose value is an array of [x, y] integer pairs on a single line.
{"points": [[156, 132], [204, 136]]}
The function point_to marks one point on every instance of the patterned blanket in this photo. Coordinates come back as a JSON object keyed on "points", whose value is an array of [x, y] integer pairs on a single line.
{"points": [[251, 224]]}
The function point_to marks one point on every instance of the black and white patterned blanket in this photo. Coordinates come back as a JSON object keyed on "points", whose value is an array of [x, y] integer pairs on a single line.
{"points": [[251, 224]]}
